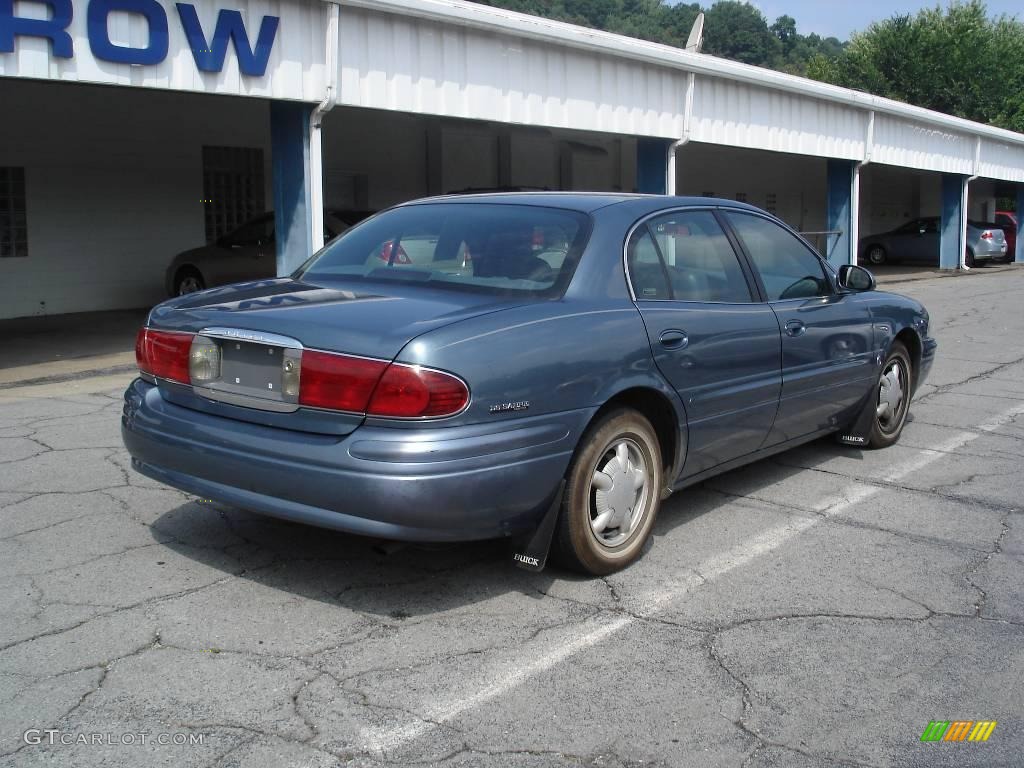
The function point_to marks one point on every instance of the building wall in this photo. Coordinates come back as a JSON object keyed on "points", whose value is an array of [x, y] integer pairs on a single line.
{"points": [[114, 185], [295, 65], [397, 157], [796, 183]]}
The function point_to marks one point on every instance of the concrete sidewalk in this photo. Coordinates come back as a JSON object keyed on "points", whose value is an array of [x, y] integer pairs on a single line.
{"points": [[37, 350], [893, 274]]}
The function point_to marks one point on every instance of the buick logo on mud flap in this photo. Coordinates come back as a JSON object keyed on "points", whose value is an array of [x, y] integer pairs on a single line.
{"points": [[526, 559]]}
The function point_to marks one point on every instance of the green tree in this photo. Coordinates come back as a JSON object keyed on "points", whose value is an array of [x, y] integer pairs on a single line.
{"points": [[737, 30], [957, 61]]}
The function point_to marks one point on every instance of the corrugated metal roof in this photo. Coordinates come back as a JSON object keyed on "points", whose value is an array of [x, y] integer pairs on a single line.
{"points": [[449, 57]]}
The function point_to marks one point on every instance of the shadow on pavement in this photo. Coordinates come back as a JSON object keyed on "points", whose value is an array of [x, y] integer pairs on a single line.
{"points": [[402, 581]]}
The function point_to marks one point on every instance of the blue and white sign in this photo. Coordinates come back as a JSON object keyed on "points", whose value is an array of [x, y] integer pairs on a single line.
{"points": [[247, 47]]}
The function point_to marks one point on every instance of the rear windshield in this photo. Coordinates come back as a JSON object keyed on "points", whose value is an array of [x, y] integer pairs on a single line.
{"points": [[517, 249]]}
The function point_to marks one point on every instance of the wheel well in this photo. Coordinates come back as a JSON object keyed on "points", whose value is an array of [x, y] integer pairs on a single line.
{"points": [[911, 341], [657, 409]]}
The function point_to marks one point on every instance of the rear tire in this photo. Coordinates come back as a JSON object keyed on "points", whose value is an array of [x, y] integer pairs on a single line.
{"points": [[876, 255], [612, 495], [969, 258], [892, 401]]}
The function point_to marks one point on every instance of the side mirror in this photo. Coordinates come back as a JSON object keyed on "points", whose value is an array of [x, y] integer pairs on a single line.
{"points": [[856, 278]]}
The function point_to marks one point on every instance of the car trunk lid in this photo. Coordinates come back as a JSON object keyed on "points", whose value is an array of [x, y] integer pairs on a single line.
{"points": [[261, 327]]}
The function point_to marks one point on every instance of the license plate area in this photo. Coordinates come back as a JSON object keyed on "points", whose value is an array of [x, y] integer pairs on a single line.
{"points": [[255, 371], [250, 369]]}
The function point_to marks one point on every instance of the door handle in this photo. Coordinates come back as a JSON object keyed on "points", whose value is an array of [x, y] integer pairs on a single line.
{"points": [[674, 339], [795, 328]]}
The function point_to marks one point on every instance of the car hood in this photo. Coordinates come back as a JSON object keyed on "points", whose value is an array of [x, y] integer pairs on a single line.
{"points": [[371, 321]]}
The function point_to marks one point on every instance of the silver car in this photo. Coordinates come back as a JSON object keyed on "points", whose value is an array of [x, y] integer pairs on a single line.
{"points": [[917, 242], [247, 253]]}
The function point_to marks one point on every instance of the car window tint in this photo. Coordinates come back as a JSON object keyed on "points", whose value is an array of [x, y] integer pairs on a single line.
{"points": [[699, 259], [788, 267], [646, 274], [472, 246]]}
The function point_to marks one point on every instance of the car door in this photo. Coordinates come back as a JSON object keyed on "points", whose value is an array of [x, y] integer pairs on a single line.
{"points": [[716, 345], [828, 359], [924, 242]]}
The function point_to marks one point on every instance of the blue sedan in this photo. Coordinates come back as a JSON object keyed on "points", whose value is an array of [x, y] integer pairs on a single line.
{"points": [[544, 367]]}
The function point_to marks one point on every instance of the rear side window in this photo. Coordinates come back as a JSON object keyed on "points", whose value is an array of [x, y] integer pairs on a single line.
{"points": [[685, 256], [478, 247], [788, 268]]}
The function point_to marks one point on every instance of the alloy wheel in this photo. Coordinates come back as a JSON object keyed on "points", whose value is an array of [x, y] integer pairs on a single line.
{"points": [[189, 284]]}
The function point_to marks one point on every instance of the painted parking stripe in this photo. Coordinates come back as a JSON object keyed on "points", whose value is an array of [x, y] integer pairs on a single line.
{"points": [[506, 677]]}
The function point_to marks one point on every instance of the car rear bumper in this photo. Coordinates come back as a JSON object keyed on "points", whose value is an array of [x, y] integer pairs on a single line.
{"points": [[985, 253], [412, 484]]}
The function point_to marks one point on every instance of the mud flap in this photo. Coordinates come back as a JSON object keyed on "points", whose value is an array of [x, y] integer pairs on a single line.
{"points": [[858, 432], [530, 552]]}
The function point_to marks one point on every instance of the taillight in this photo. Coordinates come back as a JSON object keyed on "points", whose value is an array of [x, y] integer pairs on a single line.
{"points": [[986, 235], [401, 257], [337, 382], [316, 379], [410, 391], [164, 354], [378, 388]]}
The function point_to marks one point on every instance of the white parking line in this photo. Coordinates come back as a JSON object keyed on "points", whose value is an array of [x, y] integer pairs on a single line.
{"points": [[506, 676]]}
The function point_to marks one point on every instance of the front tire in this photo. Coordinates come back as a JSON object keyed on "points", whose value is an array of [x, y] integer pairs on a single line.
{"points": [[894, 388], [188, 280], [612, 495]]}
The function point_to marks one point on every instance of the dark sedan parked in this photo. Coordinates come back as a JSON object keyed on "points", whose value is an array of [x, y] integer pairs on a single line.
{"points": [[532, 366]]}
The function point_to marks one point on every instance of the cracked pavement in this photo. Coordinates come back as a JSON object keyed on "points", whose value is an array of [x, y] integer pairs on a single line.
{"points": [[814, 609]]}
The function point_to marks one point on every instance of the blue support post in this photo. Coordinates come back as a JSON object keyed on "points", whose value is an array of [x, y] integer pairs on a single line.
{"points": [[840, 212], [289, 139], [652, 165], [952, 221], [1019, 258]]}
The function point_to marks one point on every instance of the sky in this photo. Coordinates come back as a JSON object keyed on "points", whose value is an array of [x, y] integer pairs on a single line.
{"points": [[840, 18]]}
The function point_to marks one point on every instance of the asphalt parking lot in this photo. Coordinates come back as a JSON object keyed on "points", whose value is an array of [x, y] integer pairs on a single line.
{"points": [[817, 609]]}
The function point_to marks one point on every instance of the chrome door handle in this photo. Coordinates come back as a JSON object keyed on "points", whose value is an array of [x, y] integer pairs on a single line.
{"points": [[795, 328], [674, 339]]}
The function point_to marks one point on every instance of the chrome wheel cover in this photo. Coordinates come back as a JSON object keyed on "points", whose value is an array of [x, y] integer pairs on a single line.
{"points": [[619, 492], [876, 255], [892, 393]]}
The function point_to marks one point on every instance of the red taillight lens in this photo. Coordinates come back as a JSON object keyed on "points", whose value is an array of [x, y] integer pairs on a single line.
{"points": [[408, 391], [163, 354], [377, 388], [986, 235], [338, 382]]}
